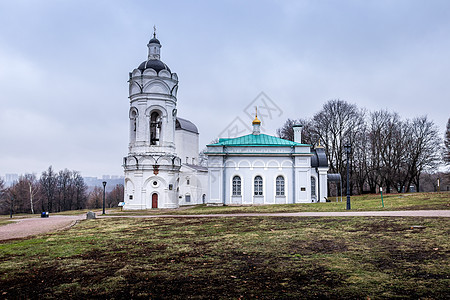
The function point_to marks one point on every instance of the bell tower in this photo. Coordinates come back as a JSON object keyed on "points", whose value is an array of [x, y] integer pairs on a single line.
{"points": [[152, 166]]}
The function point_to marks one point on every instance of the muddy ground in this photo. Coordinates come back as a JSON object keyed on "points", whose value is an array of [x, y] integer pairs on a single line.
{"points": [[267, 258]]}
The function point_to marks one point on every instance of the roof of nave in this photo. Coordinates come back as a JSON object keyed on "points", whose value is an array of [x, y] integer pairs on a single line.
{"points": [[196, 167], [183, 124], [256, 140]]}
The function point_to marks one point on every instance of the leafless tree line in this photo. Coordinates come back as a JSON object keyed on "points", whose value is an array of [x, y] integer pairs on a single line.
{"points": [[54, 192], [387, 151]]}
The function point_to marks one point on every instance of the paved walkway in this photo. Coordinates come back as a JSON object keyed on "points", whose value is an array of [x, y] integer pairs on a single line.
{"points": [[33, 226]]}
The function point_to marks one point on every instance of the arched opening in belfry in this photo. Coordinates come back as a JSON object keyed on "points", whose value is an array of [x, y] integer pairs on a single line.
{"points": [[155, 128], [133, 126]]}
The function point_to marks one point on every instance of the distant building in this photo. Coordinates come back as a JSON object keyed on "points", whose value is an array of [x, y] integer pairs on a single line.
{"points": [[114, 180], [11, 178]]}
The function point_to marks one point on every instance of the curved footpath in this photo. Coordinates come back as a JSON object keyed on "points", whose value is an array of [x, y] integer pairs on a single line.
{"points": [[33, 226]]}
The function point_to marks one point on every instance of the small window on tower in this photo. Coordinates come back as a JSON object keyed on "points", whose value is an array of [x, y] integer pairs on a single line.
{"points": [[188, 182], [131, 197]]}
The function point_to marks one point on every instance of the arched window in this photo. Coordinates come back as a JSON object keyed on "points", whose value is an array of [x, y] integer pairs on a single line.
{"points": [[236, 186], [313, 189], [280, 186], [155, 128], [133, 126], [258, 186]]}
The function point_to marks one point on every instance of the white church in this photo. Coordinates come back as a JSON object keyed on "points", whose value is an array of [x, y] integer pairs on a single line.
{"points": [[162, 169]]}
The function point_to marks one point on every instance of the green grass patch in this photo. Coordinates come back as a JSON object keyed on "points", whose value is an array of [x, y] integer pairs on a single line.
{"points": [[252, 257], [73, 212], [5, 222], [410, 201]]}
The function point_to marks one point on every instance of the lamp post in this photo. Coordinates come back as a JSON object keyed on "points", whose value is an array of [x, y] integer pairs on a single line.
{"points": [[104, 186], [348, 150]]}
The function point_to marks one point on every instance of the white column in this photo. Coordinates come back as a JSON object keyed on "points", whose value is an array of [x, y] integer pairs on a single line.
{"points": [[323, 186]]}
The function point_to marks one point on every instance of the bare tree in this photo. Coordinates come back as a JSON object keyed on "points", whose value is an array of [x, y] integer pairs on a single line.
{"points": [[115, 196], [423, 149], [33, 188], [360, 155], [447, 144], [48, 182], [80, 189], [392, 144], [95, 198], [386, 150], [20, 196], [287, 131], [4, 199], [64, 188], [377, 123], [336, 124]]}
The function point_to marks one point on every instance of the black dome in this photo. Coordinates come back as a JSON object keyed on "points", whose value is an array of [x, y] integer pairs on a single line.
{"points": [[154, 40], [319, 158], [154, 64]]}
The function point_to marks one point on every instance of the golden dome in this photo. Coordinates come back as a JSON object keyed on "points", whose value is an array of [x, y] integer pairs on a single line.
{"points": [[256, 121]]}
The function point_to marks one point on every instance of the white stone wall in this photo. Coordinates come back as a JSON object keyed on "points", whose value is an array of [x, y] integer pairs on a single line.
{"points": [[187, 146], [297, 186], [215, 179], [141, 185], [194, 184], [150, 92], [269, 163]]}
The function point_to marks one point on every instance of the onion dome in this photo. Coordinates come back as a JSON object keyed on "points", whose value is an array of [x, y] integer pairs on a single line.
{"points": [[154, 64], [256, 121], [154, 56], [154, 40]]}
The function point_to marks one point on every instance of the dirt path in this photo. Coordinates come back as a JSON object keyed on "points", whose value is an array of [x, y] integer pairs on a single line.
{"points": [[33, 226]]}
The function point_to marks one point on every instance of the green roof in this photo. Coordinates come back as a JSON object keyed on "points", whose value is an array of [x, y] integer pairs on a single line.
{"points": [[256, 140]]}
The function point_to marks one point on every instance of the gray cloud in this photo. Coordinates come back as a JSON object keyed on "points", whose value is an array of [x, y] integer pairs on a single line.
{"points": [[64, 67]]}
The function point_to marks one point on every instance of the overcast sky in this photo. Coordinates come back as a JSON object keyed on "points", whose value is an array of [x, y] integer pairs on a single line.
{"points": [[64, 68]]}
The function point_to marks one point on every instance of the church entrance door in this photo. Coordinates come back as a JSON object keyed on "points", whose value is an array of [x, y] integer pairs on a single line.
{"points": [[154, 200]]}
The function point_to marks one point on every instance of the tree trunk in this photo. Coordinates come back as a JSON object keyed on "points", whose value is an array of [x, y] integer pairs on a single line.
{"points": [[388, 187], [31, 198]]}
